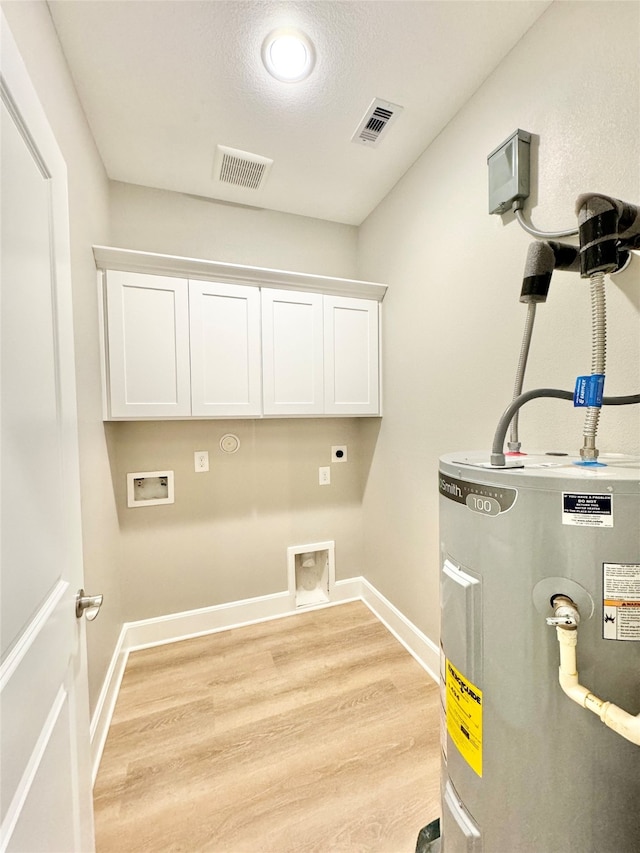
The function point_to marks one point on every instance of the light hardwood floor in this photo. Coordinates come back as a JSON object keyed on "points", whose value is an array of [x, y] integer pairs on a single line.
{"points": [[311, 734]]}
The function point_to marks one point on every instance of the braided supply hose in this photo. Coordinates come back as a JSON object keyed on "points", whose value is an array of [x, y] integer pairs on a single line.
{"points": [[589, 451]]}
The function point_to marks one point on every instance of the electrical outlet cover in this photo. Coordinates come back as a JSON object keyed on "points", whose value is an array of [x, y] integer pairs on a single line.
{"points": [[201, 461], [339, 453], [324, 476]]}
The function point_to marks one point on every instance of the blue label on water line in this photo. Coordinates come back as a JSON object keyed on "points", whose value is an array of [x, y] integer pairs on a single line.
{"points": [[589, 391]]}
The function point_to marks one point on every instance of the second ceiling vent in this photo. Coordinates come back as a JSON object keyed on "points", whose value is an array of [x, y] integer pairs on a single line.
{"points": [[240, 168], [377, 119]]}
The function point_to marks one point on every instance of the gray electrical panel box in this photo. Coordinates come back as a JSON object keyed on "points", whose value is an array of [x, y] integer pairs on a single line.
{"points": [[509, 172]]}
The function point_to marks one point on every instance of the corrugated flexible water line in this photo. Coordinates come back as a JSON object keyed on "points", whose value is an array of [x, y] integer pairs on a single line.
{"points": [[598, 350], [514, 443]]}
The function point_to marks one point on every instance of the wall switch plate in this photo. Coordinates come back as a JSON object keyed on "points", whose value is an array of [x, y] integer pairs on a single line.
{"points": [[339, 453], [201, 461], [324, 476]]}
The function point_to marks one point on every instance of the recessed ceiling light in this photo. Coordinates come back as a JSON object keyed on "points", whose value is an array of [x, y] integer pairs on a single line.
{"points": [[288, 55]]}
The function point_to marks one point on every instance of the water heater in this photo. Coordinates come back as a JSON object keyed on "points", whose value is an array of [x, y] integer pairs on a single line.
{"points": [[525, 769]]}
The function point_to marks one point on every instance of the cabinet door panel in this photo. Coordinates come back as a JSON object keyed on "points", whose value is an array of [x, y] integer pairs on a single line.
{"points": [[225, 349], [351, 356], [292, 352], [148, 358]]}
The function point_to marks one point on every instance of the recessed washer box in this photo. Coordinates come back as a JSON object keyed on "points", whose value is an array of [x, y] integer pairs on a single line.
{"points": [[150, 488]]}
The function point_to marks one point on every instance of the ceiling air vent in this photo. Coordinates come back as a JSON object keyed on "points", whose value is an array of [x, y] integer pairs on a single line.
{"points": [[240, 168], [376, 121]]}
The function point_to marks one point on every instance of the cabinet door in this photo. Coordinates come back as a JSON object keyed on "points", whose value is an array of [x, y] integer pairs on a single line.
{"points": [[225, 349], [351, 360], [148, 345], [292, 353]]}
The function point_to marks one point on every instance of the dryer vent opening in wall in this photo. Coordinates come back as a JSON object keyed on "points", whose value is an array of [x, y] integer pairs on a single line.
{"points": [[377, 120], [240, 168], [311, 570]]}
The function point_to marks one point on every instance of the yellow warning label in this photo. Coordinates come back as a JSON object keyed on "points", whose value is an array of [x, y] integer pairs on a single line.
{"points": [[464, 717]]}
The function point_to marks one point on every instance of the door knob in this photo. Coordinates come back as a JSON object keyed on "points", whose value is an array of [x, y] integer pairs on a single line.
{"points": [[88, 604]]}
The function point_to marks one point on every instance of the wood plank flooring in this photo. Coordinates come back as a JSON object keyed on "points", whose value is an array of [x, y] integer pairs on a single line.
{"points": [[317, 733]]}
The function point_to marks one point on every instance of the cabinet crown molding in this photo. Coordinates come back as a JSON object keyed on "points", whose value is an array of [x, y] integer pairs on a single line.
{"points": [[131, 260]]}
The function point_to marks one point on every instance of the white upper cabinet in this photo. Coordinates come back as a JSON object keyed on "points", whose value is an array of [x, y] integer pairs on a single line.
{"points": [[292, 353], [320, 354], [183, 337], [351, 356], [225, 349], [148, 352]]}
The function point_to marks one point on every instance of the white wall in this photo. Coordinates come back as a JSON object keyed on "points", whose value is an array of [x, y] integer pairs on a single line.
{"points": [[176, 224], [453, 322], [227, 534], [226, 537], [89, 223]]}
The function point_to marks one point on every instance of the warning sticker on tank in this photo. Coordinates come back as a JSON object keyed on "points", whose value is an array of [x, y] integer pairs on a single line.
{"points": [[621, 599], [464, 717], [582, 509]]}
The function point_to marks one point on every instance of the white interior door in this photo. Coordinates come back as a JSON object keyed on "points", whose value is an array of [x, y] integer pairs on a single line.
{"points": [[45, 793]]}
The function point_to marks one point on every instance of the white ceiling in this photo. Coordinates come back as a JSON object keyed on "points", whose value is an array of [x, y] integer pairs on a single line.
{"points": [[163, 82]]}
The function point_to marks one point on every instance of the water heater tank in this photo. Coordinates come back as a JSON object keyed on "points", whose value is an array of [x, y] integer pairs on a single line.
{"points": [[525, 769]]}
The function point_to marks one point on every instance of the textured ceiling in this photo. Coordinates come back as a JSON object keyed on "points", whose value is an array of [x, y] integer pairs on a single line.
{"points": [[163, 83]]}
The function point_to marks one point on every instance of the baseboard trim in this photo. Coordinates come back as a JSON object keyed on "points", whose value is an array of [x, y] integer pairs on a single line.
{"points": [[222, 617], [415, 642], [103, 712], [206, 620]]}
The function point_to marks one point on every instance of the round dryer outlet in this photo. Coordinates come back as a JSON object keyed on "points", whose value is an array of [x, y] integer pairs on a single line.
{"points": [[229, 443]]}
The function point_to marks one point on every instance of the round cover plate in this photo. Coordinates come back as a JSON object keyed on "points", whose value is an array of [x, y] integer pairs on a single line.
{"points": [[229, 443]]}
